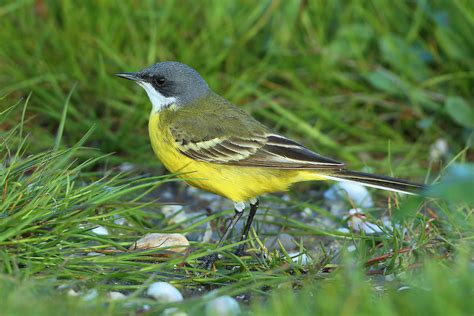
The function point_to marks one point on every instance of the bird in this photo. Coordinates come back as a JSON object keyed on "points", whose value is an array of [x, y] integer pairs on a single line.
{"points": [[215, 146]]}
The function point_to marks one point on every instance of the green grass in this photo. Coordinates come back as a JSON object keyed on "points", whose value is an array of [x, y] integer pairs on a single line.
{"points": [[373, 83]]}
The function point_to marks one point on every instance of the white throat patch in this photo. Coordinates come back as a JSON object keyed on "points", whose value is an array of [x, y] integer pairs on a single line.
{"points": [[158, 100]]}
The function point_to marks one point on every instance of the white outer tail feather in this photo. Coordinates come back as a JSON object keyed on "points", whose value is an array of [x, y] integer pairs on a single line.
{"points": [[366, 184]]}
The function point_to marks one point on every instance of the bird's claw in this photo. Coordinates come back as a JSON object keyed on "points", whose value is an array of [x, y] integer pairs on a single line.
{"points": [[208, 261], [240, 252]]}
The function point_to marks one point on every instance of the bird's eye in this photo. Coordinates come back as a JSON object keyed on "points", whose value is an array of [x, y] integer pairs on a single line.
{"points": [[159, 81]]}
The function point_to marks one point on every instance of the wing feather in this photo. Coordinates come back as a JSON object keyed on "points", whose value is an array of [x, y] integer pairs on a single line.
{"points": [[266, 151], [213, 130]]}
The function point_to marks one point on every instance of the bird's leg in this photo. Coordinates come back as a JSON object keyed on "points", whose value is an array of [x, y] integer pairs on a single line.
{"points": [[238, 211], [248, 224]]}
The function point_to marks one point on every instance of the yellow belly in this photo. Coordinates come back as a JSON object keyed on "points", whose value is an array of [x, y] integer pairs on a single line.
{"points": [[233, 182]]}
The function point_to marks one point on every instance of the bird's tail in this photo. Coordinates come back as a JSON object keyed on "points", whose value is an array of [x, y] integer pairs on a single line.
{"points": [[376, 181]]}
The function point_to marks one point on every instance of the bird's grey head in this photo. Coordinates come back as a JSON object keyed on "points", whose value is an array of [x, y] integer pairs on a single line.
{"points": [[169, 83]]}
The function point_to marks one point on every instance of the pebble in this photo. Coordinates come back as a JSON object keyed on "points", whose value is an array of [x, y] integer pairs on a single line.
{"points": [[207, 237], [63, 287], [403, 288], [72, 293], [167, 195], [222, 306], [119, 220], [116, 296], [126, 167], [390, 226], [389, 277], [307, 213], [90, 295], [343, 230], [100, 230], [356, 193], [174, 213], [351, 248], [300, 258], [164, 292], [171, 242], [170, 210], [439, 149]]}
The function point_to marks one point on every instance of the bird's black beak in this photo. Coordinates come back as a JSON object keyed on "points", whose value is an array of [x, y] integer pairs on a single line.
{"points": [[129, 75]]}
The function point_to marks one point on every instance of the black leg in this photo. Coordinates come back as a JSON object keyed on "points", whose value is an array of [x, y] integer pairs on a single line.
{"points": [[253, 210], [238, 211]]}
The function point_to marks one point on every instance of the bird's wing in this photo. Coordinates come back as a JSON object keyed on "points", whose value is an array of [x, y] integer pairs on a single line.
{"points": [[229, 136], [266, 151]]}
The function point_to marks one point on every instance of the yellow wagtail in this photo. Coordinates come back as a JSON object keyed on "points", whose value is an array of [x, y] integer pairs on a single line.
{"points": [[194, 130]]}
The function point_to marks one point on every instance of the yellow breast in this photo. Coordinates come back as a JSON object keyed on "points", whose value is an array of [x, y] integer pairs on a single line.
{"points": [[233, 182]]}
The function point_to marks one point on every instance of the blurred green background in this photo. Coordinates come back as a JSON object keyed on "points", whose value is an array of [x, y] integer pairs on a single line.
{"points": [[355, 80], [387, 86]]}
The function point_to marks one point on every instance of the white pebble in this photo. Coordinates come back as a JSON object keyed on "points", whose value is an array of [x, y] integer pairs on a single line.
{"points": [[63, 287], [207, 237], [351, 248], [179, 218], [164, 292], [343, 230], [390, 277], [90, 295], [300, 258], [167, 195], [388, 223], [170, 210], [116, 296], [126, 167], [439, 149], [223, 306], [72, 293], [175, 213], [100, 230], [307, 212], [119, 220], [355, 192], [403, 288]]}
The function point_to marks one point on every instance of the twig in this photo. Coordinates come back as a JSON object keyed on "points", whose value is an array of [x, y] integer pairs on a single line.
{"points": [[386, 256]]}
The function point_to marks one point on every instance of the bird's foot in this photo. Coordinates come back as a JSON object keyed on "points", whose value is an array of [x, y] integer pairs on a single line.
{"points": [[240, 252], [208, 261]]}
